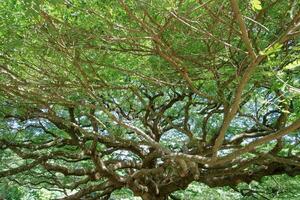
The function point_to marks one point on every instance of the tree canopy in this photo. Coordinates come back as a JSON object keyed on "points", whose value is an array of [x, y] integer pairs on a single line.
{"points": [[96, 96]]}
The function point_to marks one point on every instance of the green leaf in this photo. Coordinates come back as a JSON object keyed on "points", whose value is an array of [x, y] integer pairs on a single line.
{"points": [[273, 49], [292, 65], [256, 5]]}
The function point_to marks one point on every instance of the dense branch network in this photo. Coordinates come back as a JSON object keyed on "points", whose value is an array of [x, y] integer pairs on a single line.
{"points": [[149, 97]]}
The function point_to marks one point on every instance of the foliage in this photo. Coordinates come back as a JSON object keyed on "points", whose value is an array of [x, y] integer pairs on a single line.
{"points": [[106, 98]]}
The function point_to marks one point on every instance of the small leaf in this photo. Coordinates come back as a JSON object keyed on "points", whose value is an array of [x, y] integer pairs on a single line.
{"points": [[274, 49], [256, 5], [292, 65]]}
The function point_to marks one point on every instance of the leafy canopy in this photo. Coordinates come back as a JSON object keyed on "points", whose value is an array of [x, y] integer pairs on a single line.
{"points": [[96, 96]]}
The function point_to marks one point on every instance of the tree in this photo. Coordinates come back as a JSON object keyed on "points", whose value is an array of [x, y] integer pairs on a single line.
{"points": [[148, 95]]}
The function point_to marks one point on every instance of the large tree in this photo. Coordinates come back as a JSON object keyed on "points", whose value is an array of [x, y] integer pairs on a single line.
{"points": [[149, 95]]}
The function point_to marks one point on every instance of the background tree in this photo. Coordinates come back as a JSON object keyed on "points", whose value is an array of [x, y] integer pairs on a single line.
{"points": [[148, 95]]}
